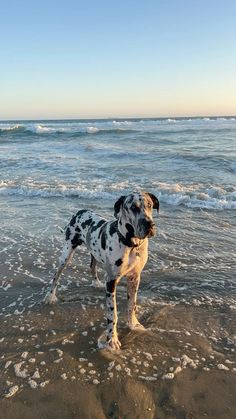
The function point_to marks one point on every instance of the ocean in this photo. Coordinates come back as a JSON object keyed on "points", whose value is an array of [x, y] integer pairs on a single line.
{"points": [[51, 169]]}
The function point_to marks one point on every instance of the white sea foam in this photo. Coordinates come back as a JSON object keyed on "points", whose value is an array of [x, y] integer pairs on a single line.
{"points": [[92, 130], [197, 196], [10, 127], [84, 127], [189, 195]]}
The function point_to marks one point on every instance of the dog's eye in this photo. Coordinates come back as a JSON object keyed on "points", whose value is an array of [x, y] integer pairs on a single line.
{"points": [[135, 208]]}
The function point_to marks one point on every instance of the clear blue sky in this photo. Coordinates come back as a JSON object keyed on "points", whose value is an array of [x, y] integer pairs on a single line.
{"points": [[72, 59]]}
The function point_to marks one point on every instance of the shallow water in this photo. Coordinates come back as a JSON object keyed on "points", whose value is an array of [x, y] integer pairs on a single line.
{"points": [[50, 169]]}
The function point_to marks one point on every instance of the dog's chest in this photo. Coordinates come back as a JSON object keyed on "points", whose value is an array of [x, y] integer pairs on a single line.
{"points": [[134, 257], [135, 260]]}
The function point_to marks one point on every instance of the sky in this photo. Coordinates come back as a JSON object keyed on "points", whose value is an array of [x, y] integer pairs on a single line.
{"points": [[126, 58]]}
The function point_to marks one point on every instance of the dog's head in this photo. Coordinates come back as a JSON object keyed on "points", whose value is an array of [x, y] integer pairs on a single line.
{"points": [[134, 214]]}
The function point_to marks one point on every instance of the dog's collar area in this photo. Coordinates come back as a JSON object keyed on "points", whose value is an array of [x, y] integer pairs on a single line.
{"points": [[138, 247], [127, 241]]}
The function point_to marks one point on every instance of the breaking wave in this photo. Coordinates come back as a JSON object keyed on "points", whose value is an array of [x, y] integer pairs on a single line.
{"points": [[81, 127], [191, 196], [47, 130]]}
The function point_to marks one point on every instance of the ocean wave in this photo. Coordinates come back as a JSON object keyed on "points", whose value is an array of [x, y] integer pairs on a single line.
{"points": [[7, 128], [198, 196], [94, 127], [191, 196], [95, 130], [45, 130]]}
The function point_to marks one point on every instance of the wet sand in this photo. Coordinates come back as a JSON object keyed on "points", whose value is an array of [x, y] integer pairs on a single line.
{"points": [[182, 366]]}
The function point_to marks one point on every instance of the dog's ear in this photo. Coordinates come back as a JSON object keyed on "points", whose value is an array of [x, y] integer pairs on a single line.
{"points": [[118, 205], [155, 201]]}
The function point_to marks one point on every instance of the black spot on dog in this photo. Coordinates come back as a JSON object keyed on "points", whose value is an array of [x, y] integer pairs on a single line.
{"points": [[76, 241], [73, 221], [110, 248], [113, 228], [103, 240], [130, 229], [99, 224], [86, 223], [110, 286], [80, 213], [130, 233], [118, 262], [77, 229], [101, 231], [68, 233], [127, 239]]}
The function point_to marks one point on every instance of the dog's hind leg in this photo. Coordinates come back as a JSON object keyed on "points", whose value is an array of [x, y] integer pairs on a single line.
{"points": [[93, 267], [64, 259]]}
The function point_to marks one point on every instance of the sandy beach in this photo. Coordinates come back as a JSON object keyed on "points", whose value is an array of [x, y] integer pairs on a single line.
{"points": [[183, 366]]}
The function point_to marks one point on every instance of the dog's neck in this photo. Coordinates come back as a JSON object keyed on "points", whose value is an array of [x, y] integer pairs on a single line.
{"points": [[126, 234]]}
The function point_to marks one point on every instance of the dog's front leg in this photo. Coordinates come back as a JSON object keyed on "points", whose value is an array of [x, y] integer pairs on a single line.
{"points": [[132, 291], [112, 337]]}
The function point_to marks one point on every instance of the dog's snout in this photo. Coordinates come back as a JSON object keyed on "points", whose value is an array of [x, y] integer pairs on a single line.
{"points": [[148, 227], [148, 224]]}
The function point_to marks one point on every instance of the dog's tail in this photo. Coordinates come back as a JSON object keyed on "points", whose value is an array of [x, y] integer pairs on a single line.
{"points": [[62, 230]]}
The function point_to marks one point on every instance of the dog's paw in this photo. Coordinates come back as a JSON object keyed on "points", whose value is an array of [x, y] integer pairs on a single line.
{"points": [[113, 344], [50, 298]]}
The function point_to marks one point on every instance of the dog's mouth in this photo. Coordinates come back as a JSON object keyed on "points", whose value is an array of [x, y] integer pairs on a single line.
{"points": [[149, 232]]}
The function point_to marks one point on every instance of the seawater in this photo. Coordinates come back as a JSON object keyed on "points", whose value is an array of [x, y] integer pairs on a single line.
{"points": [[50, 169]]}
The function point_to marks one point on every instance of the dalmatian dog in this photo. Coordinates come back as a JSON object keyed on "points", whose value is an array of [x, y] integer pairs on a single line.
{"points": [[121, 246]]}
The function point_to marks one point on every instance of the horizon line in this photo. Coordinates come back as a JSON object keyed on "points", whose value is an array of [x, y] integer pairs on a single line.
{"points": [[119, 117]]}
